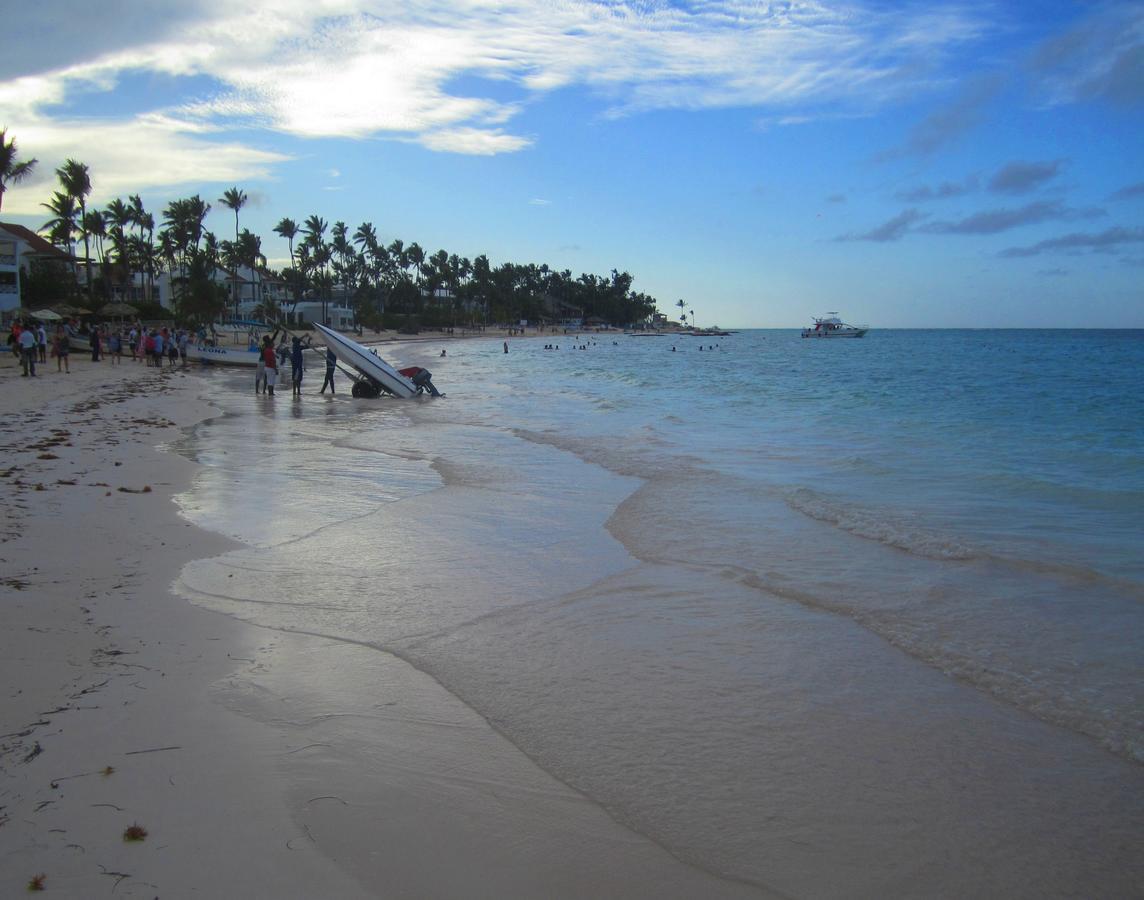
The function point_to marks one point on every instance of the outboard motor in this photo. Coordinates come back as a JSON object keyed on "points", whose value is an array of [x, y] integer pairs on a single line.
{"points": [[422, 379]]}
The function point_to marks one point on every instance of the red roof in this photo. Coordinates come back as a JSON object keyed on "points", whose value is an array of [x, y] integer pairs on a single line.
{"points": [[36, 244]]}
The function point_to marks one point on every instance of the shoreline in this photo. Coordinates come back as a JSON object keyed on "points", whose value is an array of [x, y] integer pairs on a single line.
{"points": [[108, 717], [122, 698]]}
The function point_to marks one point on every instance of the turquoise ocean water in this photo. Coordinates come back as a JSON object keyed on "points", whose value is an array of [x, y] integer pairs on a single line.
{"points": [[836, 618]]}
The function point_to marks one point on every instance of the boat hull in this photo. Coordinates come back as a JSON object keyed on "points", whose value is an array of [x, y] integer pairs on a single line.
{"points": [[368, 363], [834, 335], [222, 356]]}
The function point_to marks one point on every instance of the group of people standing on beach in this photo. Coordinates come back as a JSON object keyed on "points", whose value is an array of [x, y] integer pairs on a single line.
{"points": [[30, 342], [158, 344], [271, 358]]}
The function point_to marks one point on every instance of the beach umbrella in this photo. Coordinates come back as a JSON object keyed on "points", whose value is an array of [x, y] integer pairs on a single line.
{"points": [[46, 315]]}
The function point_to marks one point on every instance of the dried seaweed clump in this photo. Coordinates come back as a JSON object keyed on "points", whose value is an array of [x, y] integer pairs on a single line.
{"points": [[36, 883], [135, 832]]}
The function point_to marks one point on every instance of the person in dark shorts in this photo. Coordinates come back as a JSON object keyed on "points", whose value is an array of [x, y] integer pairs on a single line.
{"points": [[331, 364], [297, 366], [63, 350]]}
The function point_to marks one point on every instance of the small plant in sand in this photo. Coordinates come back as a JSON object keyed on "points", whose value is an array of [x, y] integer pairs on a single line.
{"points": [[135, 832], [108, 770], [36, 883]]}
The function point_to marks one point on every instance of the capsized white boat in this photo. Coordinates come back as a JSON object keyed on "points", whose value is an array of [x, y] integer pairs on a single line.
{"points": [[376, 374], [830, 326]]}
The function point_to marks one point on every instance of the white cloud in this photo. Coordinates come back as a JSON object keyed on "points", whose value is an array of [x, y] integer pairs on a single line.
{"points": [[473, 141], [132, 157], [356, 68]]}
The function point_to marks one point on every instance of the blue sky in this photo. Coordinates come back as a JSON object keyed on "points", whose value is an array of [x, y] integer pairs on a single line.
{"points": [[907, 164]]}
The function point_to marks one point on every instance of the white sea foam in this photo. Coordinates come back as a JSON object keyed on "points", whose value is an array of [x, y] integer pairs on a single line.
{"points": [[881, 526]]}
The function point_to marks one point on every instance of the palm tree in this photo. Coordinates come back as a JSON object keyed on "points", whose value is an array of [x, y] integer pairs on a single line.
{"points": [[118, 216], [682, 304], [288, 229], [180, 238], [145, 256], [147, 226], [184, 220], [167, 254], [236, 200], [315, 231], [323, 254], [347, 258], [76, 181], [249, 253], [146, 223], [62, 228], [366, 239], [94, 225], [11, 172], [416, 257], [302, 274]]}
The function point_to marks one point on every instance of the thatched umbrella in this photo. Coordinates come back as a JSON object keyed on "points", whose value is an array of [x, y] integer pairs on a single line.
{"points": [[119, 310], [65, 309]]}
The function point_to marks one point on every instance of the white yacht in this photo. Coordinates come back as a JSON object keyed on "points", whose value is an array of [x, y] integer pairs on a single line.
{"points": [[830, 326]]}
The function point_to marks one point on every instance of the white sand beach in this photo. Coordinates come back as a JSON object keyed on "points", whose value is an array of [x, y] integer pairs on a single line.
{"points": [[260, 763]]}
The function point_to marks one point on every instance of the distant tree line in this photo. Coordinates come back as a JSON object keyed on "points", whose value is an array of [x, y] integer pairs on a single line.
{"points": [[385, 284]]}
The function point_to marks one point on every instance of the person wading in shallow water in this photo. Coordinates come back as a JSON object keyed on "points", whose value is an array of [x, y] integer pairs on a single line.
{"points": [[270, 358], [260, 371], [297, 366], [331, 364]]}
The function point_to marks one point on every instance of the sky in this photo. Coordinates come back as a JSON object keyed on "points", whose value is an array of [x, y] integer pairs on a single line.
{"points": [[906, 164]]}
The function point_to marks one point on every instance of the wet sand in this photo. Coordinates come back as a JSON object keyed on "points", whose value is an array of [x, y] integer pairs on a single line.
{"points": [[259, 763]]}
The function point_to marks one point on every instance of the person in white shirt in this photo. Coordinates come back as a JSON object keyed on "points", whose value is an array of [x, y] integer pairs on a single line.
{"points": [[28, 344]]}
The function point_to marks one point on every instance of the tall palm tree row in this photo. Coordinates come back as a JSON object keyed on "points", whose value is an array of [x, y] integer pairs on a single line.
{"points": [[371, 272]]}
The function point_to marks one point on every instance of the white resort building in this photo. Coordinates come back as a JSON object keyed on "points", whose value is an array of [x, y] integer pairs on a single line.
{"points": [[20, 249]]}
